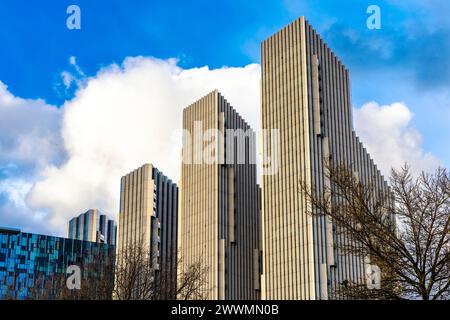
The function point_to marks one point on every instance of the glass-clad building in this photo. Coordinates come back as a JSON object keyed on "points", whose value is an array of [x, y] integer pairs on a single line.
{"points": [[29, 263]]}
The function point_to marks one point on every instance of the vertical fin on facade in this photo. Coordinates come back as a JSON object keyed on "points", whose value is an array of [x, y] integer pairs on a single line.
{"points": [[231, 204], [316, 95]]}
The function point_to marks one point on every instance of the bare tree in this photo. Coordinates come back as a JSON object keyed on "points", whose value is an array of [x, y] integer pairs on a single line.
{"points": [[134, 273], [191, 282], [96, 283], [171, 284], [139, 276], [405, 231], [52, 287]]}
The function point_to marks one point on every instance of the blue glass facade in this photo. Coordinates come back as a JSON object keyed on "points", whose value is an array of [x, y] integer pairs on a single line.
{"points": [[26, 258]]}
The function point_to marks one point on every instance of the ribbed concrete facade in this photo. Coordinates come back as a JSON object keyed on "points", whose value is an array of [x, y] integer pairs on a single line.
{"points": [[306, 95], [92, 226], [148, 211], [85, 226], [219, 207]]}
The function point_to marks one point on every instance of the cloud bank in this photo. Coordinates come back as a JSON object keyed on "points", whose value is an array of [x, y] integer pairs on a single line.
{"points": [[389, 136], [29, 140]]}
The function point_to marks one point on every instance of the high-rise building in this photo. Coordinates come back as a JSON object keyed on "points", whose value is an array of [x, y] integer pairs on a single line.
{"points": [[31, 263], [218, 221], [92, 226], [148, 217], [306, 96]]}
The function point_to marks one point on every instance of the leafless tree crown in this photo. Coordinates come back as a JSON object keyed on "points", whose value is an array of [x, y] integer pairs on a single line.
{"points": [[405, 231]]}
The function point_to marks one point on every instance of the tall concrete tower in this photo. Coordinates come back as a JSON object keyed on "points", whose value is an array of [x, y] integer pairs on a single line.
{"points": [[305, 95], [219, 207]]}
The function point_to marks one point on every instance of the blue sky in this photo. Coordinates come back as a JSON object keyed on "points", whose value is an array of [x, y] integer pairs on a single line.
{"points": [[412, 47], [406, 61]]}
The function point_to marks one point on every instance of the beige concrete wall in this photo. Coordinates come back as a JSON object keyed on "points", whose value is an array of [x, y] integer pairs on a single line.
{"points": [[218, 217]]}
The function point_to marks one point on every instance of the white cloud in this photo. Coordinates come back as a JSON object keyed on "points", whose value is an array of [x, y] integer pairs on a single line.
{"points": [[29, 131], [14, 211], [73, 60], [67, 78], [16, 190], [387, 133], [29, 140], [77, 77], [124, 117]]}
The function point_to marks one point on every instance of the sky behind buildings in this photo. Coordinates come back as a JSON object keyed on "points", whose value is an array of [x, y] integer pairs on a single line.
{"points": [[81, 108]]}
